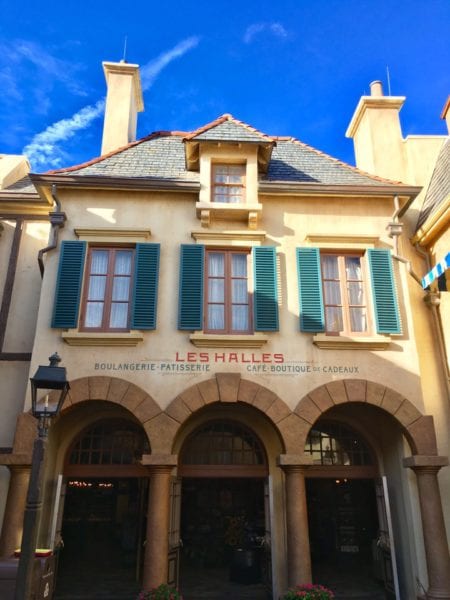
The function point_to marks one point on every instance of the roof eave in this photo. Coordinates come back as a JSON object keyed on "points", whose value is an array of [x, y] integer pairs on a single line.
{"points": [[316, 189], [116, 183]]}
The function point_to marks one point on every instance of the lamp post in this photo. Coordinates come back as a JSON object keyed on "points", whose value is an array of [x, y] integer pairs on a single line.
{"points": [[49, 387]]}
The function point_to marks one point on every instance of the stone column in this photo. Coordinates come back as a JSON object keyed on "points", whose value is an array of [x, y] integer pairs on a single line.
{"points": [[437, 555], [15, 505], [298, 550], [157, 545]]}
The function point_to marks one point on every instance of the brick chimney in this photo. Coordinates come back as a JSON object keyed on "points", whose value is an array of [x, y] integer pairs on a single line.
{"points": [[123, 102], [377, 135]]}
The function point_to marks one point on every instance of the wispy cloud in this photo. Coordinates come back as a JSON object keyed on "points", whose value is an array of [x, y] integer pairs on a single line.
{"points": [[255, 29], [152, 69], [25, 59], [44, 151]]}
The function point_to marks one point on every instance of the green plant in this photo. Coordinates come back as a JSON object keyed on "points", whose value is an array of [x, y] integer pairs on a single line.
{"points": [[308, 591], [162, 592]]}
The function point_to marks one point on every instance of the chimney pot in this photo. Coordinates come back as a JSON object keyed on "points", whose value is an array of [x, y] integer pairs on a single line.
{"points": [[376, 88]]}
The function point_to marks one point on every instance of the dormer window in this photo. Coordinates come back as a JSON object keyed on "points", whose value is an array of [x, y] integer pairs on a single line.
{"points": [[228, 183]]}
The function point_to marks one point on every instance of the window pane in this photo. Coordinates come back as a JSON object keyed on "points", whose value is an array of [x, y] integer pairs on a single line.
{"points": [[221, 198], [353, 267], [123, 263], [121, 287], [239, 318], [94, 314], [334, 318], [330, 267], [239, 265], [119, 315], [97, 285], [216, 317], [216, 264], [332, 292], [358, 320], [355, 293], [216, 292], [239, 291], [99, 262]]}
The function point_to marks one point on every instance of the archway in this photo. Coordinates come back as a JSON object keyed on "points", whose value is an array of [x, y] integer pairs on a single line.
{"points": [[342, 493], [102, 516]]}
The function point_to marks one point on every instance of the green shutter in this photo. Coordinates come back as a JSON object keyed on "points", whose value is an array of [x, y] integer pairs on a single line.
{"points": [[312, 317], [190, 300], [387, 316], [145, 286], [265, 303], [68, 285]]}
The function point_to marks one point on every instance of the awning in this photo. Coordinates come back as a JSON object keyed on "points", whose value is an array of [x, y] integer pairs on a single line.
{"points": [[436, 271]]}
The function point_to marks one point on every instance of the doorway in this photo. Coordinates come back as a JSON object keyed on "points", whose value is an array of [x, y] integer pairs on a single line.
{"points": [[103, 534], [343, 533], [224, 514]]}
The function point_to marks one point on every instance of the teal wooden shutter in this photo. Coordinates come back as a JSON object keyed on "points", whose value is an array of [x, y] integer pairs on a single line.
{"points": [[387, 317], [145, 286], [265, 302], [68, 285], [312, 317], [190, 299]]}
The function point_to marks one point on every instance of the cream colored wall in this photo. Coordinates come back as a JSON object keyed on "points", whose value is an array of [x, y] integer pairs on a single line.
{"points": [[22, 317], [421, 154], [287, 222]]}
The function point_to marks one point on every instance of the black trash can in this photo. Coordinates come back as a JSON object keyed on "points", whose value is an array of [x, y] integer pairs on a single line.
{"points": [[43, 578], [245, 566]]}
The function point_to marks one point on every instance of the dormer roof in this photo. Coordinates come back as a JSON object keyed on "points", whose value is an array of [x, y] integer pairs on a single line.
{"points": [[228, 130]]}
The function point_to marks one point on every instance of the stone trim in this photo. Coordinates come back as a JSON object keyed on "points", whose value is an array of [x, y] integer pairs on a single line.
{"points": [[112, 234], [73, 337], [340, 342], [418, 428]]}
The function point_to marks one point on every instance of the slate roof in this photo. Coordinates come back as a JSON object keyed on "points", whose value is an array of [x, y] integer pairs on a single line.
{"points": [[227, 128], [22, 186], [439, 188], [161, 155]]}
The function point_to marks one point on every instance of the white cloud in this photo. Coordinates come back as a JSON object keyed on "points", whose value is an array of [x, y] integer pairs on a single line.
{"points": [[151, 70], [253, 30], [43, 151]]}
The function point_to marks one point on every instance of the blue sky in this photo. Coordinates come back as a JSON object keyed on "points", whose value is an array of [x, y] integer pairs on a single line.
{"points": [[292, 67]]}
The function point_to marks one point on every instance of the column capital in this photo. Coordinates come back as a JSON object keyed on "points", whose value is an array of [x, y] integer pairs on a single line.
{"points": [[423, 463], [159, 463], [294, 462]]}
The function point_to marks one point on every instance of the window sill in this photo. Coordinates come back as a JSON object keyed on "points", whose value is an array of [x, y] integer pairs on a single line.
{"points": [[333, 342], [207, 211], [74, 337], [213, 340]]}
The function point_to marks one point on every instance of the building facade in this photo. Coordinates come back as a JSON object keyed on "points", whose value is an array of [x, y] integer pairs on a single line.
{"points": [[253, 368]]}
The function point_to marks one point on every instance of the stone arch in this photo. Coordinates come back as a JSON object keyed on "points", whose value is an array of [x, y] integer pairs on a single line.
{"points": [[417, 428], [115, 390], [226, 388]]}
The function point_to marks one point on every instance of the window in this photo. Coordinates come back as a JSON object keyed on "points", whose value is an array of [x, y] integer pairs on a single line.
{"points": [[106, 303], [336, 444], [332, 295], [120, 287], [228, 183], [227, 298], [214, 291], [343, 293]]}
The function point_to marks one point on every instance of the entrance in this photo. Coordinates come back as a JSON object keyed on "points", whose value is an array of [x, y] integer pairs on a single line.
{"points": [[103, 534], [343, 533], [224, 514], [103, 513]]}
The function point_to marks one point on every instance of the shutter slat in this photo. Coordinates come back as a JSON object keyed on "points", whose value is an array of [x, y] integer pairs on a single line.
{"points": [[190, 301], [145, 286], [312, 317], [68, 285], [384, 291], [265, 304]]}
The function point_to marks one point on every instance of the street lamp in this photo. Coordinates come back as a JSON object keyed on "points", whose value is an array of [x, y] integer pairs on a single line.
{"points": [[49, 387]]}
